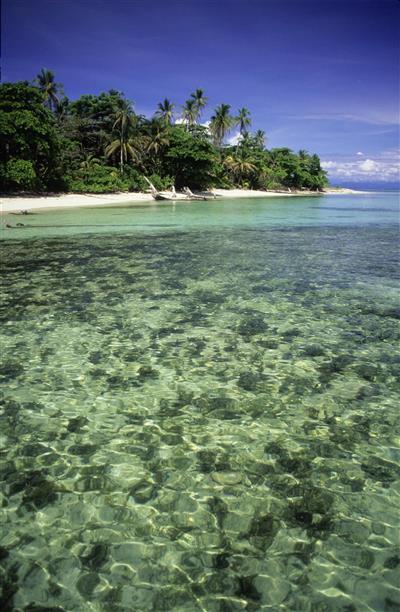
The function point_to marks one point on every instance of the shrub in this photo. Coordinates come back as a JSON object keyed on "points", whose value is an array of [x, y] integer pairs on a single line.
{"points": [[98, 179], [19, 174], [161, 183]]}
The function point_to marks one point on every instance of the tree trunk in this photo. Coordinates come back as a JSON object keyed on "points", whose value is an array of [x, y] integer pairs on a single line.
{"points": [[121, 158]]}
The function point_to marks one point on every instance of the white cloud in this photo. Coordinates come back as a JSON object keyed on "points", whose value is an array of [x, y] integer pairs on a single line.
{"points": [[235, 139], [360, 153], [385, 167], [207, 124], [369, 165], [327, 165]]}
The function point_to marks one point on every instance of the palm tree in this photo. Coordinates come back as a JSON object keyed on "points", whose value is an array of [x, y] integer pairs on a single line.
{"points": [[61, 110], [200, 101], [89, 163], [124, 117], [124, 144], [49, 88], [303, 154], [165, 111], [240, 166], [220, 124], [260, 138], [158, 137], [243, 120], [189, 112], [125, 148]]}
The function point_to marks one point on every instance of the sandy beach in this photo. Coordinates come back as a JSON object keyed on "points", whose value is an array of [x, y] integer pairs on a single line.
{"points": [[10, 204]]}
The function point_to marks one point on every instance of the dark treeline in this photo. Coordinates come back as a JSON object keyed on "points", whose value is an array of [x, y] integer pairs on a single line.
{"points": [[99, 144]]}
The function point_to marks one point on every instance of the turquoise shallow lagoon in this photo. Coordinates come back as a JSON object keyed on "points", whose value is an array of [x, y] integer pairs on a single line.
{"points": [[200, 407]]}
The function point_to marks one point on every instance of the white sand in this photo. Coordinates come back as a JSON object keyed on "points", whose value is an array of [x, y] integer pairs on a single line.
{"points": [[70, 200], [76, 200]]}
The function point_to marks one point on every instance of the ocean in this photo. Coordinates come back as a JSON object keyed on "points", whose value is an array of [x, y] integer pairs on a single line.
{"points": [[199, 407]]}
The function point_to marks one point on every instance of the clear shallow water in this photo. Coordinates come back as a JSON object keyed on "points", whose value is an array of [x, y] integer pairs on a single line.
{"points": [[153, 217], [202, 417]]}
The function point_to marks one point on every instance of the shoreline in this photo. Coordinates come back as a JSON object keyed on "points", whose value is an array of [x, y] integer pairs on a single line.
{"points": [[14, 204]]}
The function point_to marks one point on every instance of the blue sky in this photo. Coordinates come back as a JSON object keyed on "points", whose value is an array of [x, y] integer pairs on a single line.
{"points": [[316, 74]]}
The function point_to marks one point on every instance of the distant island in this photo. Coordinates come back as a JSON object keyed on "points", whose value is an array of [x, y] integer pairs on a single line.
{"points": [[98, 144]]}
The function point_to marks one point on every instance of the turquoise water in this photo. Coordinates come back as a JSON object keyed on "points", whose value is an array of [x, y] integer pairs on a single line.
{"points": [[149, 217], [199, 407]]}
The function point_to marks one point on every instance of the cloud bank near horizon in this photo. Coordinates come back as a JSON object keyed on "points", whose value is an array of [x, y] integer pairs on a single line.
{"points": [[383, 168]]}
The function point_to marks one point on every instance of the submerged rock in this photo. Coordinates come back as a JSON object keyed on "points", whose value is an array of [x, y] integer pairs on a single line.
{"points": [[262, 525], [245, 588], [76, 424], [219, 509], [249, 381], [227, 478], [96, 557], [96, 357], [311, 509], [313, 350], [337, 364], [143, 492], [10, 370], [87, 583], [381, 470], [262, 531], [39, 492], [367, 371], [146, 372], [252, 326]]}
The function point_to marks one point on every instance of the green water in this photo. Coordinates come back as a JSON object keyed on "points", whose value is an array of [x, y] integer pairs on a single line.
{"points": [[199, 408]]}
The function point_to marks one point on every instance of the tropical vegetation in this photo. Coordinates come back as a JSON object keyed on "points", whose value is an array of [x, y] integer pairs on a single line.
{"points": [[98, 143]]}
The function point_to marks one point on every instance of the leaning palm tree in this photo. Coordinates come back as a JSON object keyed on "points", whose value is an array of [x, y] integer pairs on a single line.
{"points": [[200, 101], [189, 112], [220, 124], [49, 88], [243, 120], [165, 110]]}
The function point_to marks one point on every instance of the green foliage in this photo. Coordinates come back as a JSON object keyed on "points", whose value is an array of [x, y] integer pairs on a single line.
{"points": [[134, 179], [165, 111], [92, 119], [49, 88], [17, 174], [190, 160], [98, 178], [160, 183], [28, 133], [251, 165], [221, 123], [98, 144]]}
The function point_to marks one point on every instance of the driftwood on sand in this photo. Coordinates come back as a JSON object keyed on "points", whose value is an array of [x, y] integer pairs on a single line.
{"points": [[173, 196]]}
